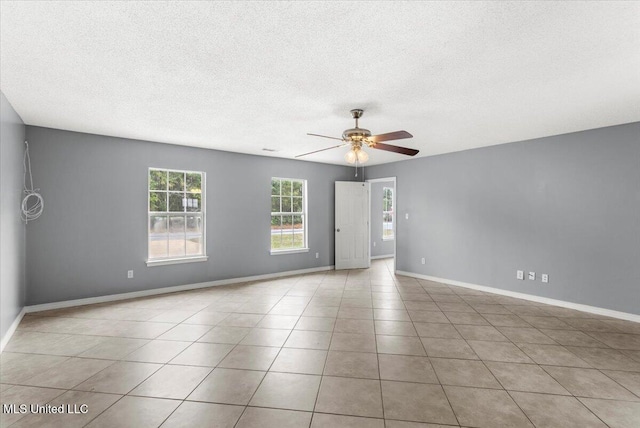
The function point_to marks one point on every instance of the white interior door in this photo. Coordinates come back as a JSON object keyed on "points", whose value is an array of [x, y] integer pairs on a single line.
{"points": [[352, 225]]}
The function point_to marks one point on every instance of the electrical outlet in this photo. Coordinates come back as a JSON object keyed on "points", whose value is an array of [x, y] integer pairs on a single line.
{"points": [[406, 216], [532, 276], [317, 255], [129, 274], [423, 261], [545, 278], [374, 243], [520, 274]]}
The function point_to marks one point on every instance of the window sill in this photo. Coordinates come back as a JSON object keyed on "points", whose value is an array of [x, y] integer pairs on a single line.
{"points": [[282, 252], [164, 262], [388, 239]]}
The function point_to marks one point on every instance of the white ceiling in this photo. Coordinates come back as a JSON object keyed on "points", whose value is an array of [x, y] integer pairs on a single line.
{"points": [[246, 76]]}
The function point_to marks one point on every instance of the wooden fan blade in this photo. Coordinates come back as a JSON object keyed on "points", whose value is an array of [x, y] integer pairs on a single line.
{"points": [[398, 135], [395, 149], [322, 150], [324, 136]]}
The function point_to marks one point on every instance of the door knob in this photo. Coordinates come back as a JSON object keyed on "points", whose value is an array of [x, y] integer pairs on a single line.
{"points": [[337, 230]]}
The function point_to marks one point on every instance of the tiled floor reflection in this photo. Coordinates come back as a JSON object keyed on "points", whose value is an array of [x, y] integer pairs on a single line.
{"points": [[360, 348]]}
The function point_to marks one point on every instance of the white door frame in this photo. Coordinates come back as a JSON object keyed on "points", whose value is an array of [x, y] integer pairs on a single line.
{"points": [[395, 218]]}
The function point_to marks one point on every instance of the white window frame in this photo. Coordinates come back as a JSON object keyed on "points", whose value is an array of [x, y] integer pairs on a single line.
{"points": [[168, 260], [305, 219], [392, 212]]}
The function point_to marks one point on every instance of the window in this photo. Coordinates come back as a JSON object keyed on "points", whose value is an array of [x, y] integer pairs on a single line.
{"points": [[387, 213], [288, 215], [176, 216]]}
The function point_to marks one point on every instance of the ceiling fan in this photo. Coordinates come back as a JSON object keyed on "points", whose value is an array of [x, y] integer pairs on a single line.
{"points": [[360, 137]]}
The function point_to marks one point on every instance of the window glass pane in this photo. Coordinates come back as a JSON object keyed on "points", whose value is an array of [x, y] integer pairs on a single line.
{"points": [[176, 247], [387, 199], [276, 240], [297, 222], [298, 231], [275, 187], [286, 188], [157, 246], [158, 224], [286, 204], [194, 182], [194, 246], [176, 181], [287, 222], [387, 225], [176, 236], [157, 180], [297, 205], [157, 201], [176, 225], [175, 202], [194, 202], [297, 188], [276, 222], [157, 236], [275, 204], [194, 225], [287, 240]]}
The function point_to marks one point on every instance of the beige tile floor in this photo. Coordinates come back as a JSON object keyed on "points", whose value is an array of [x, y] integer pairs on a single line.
{"points": [[359, 348]]}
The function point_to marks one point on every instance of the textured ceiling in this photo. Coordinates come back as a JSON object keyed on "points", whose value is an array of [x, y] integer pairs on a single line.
{"points": [[246, 76]]}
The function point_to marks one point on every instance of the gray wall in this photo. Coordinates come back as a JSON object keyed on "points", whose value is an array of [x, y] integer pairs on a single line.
{"points": [[381, 248], [94, 227], [567, 205], [12, 229]]}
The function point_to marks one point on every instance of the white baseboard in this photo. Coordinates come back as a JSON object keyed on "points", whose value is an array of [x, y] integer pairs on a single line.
{"points": [[165, 290], [12, 329], [570, 305], [384, 256]]}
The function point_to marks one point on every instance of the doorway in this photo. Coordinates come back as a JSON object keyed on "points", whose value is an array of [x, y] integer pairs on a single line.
{"points": [[382, 225]]}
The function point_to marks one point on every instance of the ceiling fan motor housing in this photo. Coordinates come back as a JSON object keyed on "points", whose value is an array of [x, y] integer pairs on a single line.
{"points": [[356, 134]]}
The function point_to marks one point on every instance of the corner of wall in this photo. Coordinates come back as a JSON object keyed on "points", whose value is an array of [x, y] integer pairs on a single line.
{"points": [[12, 229]]}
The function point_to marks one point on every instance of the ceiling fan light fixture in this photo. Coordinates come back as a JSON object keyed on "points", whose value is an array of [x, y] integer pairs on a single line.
{"points": [[350, 157], [356, 154], [362, 156]]}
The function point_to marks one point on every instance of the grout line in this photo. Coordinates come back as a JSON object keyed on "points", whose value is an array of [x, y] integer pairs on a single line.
{"points": [[632, 393], [375, 336], [434, 370], [521, 409]]}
